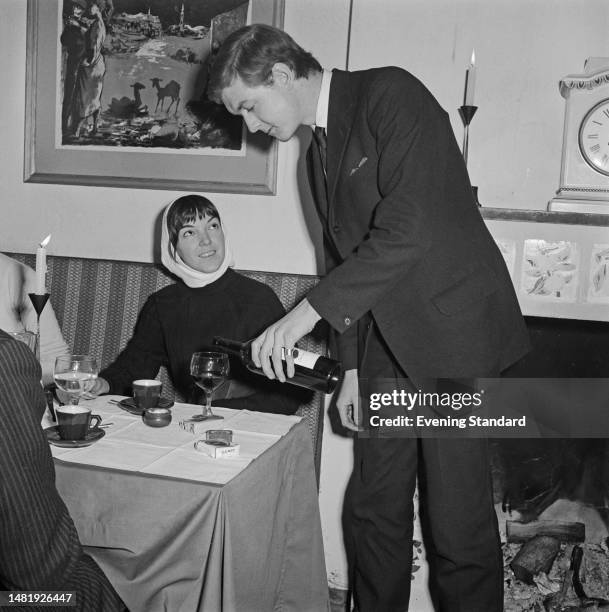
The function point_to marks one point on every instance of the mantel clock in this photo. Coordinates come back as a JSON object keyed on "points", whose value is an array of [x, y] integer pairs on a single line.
{"points": [[584, 172]]}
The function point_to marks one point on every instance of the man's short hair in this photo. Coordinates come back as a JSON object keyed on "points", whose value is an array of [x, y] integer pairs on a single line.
{"points": [[250, 54]]}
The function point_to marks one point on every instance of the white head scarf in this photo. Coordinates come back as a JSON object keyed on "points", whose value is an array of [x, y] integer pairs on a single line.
{"points": [[174, 263]]}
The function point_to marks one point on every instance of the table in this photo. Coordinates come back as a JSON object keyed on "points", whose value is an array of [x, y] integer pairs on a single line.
{"points": [[177, 531]]}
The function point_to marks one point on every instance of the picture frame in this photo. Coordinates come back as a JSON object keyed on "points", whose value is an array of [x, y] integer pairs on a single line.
{"points": [[47, 159]]}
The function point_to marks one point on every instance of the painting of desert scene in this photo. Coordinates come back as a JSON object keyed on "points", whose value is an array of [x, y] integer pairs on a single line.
{"points": [[134, 73]]}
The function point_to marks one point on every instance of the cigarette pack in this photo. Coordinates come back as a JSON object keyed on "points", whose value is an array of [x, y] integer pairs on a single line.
{"points": [[217, 452]]}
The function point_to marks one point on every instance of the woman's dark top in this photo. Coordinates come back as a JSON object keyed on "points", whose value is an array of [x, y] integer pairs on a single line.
{"points": [[177, 321]]}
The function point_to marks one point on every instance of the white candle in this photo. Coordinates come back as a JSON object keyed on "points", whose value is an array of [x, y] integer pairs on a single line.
{"points": [[41, 266], [470, 82]]}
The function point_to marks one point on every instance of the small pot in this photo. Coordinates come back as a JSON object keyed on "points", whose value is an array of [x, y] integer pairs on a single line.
{"points": [[156, 417]]}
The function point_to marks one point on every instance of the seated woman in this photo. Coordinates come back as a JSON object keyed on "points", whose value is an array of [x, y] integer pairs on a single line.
{"points": [[211, 300]]}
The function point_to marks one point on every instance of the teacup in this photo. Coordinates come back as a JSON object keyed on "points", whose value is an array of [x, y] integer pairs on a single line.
{"points": [[146, 393], [75, 422]]}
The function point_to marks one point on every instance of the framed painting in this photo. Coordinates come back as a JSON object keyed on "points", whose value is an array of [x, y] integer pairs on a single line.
{"points": [[115, 96]]}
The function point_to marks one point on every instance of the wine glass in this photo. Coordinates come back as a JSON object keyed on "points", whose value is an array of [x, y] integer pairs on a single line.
{"points": [[209, 369], [76, 375]]}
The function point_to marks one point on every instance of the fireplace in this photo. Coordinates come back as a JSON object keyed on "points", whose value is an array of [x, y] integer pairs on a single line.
{"points": [[543, 482], [530, 474]]}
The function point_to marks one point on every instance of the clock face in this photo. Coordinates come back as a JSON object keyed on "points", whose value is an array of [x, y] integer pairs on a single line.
{"points": [[594, 137]]}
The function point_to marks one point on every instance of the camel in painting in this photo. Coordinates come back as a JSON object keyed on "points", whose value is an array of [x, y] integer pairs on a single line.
{"points": [[171, 90]]}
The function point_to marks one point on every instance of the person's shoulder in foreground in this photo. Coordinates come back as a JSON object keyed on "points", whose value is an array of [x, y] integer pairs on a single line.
{"points": [[39, 546], [17, 312]]}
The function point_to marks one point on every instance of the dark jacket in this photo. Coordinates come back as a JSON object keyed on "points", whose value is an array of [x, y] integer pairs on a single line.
{"points": [[177, 321], [39, 546], [404, 237]]}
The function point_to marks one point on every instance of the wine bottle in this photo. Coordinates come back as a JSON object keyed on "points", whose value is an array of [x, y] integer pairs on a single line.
{"points": [[312, 371]]}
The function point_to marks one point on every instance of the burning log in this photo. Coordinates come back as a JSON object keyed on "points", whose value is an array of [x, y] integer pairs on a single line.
{"points": [[536, 555], [561, 530], [572, 597], [588, 603]]}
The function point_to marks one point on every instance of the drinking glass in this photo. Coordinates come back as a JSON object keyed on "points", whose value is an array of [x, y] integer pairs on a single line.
{"points": [[75, 374], [209, 369], [27, 337]]}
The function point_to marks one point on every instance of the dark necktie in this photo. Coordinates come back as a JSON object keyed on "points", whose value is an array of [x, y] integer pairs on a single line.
{"points": [[322, 142]]}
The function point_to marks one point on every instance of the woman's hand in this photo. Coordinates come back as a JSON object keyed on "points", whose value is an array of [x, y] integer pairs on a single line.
{"points": [[100, 387], [348, 402]]}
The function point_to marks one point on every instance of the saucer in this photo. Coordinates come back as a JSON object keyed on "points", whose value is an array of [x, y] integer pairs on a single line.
{"points": [[92, 436], [130, 406]]}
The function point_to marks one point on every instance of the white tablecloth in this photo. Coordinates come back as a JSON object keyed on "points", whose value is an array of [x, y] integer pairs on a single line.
{"points": [[131, 445], [177, 531]]}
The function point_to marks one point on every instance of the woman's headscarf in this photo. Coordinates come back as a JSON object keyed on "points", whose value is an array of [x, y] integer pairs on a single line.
{"points": [[173, 262]]}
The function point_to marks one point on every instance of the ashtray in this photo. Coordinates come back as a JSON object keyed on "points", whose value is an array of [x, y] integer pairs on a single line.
{"points": [[130, 406], [219, 437], [157, 417]]}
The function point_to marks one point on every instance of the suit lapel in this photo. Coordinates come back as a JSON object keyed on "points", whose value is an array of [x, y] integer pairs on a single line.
{"points": [[341, 109]]}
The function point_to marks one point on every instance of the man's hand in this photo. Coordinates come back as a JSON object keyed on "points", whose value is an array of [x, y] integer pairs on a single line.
{"points": [[348, 402], [268, 347]]}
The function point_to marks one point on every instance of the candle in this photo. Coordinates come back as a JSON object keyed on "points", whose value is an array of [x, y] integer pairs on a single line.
{"points": [[470, 82], [41, 266]]}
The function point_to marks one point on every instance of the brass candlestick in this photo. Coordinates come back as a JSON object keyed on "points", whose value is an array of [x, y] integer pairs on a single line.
{"points": [[39, 301], [467, 113]]}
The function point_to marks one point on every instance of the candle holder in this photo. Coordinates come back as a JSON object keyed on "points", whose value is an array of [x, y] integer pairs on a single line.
{"points": [[467, 113], [39, 301]]}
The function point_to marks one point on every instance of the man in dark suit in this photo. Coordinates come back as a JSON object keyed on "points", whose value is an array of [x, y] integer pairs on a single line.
{"points": [[39, 546], [415, 288]]}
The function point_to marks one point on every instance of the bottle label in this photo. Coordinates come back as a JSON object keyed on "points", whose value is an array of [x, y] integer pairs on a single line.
{"points": [[306, 359]]}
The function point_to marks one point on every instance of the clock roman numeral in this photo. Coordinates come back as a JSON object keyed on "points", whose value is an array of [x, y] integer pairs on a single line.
{"points": [[605, 159], [595, 148], [606, 113], [592, 136], [597, 122]]}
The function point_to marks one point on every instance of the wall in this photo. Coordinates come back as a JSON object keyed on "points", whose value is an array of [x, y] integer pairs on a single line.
{"points": [[523, 48]]}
